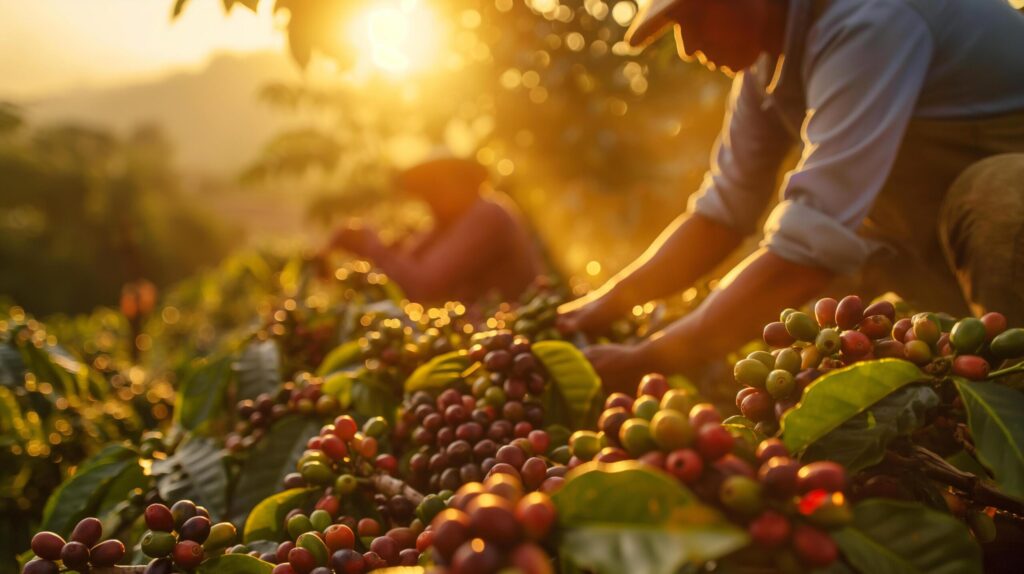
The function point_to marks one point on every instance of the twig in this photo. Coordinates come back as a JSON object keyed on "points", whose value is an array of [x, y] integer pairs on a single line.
{"points": [[936, 467], [1011, 370], [391, 486]]}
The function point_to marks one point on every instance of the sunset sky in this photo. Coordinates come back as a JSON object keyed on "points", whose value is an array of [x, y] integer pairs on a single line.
{"points": [[52, 45]]}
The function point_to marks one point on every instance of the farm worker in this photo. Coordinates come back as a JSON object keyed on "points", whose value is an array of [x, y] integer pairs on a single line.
{"points": [[478, 247], [909, 117]]}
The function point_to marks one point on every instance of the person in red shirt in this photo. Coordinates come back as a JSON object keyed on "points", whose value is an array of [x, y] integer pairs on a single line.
{"points": [[479, 245]]}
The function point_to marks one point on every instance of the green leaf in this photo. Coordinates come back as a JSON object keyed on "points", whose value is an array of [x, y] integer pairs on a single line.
{"points": [[342, 356], [235, 564], [258, 369], [890, 537], [269, 461], [438, 373], [861, 441], [266, 521], [195, 472], [995, 416], [79, 495], [840, 395], [339, 385], [201, 394], [573, 377], [627, 517]]}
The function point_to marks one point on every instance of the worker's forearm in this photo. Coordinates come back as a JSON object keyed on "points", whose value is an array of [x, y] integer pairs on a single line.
{"points": [[689, 248], [750, 297]]}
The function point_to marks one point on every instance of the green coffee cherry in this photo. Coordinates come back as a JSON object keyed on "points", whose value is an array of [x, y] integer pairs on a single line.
{"points": [[158, 544], [801, 326], [646, 406], [918, 352], [780, 384], [345, 484], [786, 313], [585, 444], [927, 328], [742, 495], [317, 473], [375, 427], [431, 506], [222, 535], [298, 525], [750, 372], [320, 519], [310, 541], [968, 335], [1009, 344], [765, 357], [635, 436], [788, 359], [828, 342]]}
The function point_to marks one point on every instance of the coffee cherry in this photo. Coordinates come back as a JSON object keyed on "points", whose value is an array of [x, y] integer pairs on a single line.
{"points": [[1009, 344], [182, 511], [901, 328], [585, 444], [769, 530], [678, 400], [533, 472], [536, 513], [825, 311], [530, 559], [801, 326], [619, 400], [890, 349], [451, 529], [758, 406], [107, 553], [741, 494], [88, 531], [854, 345], [779, 476], [849, 312], [995, 323], [828, 342], [159, 517], [751, 372], [221, 535], [386, 548], [744, 393], [196, 529], [876, 327], [776, 336], [823, 475], [779, 384], [645, 406], [475, 556], [653, 384], [635, 436], [769, 448], [75, 555], [926, 328], [815, 548], [347, 561], [47, 545], [968, 335], [704, 414], [157, 544], [188, 554], [971, 367], [714, 442], [40, 566], [671, 430], [788, 359]]}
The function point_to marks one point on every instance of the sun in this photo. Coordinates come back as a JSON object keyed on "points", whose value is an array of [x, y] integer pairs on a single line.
{"points": [[398, 37]]}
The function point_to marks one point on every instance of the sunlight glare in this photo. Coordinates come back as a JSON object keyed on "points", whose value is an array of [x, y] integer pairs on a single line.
{"points": [[398, 36]]}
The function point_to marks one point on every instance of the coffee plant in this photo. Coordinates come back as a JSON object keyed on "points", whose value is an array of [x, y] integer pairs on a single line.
{"points": [[869, 439]]}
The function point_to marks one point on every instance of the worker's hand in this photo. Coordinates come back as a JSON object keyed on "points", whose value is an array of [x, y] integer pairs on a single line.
{"points": [[593, 313], [620, 366], [356, 238]]}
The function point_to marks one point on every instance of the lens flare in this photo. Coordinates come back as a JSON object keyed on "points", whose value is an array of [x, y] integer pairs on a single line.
{"points": [[398, 37]]}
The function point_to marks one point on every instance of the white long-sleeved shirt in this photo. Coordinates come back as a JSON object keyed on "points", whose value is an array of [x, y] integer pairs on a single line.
{"points": [[850, 80]]}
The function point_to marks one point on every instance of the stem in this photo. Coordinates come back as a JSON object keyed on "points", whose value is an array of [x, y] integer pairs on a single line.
{"points": [[391, 486], [1011, 370], [979, 491]]}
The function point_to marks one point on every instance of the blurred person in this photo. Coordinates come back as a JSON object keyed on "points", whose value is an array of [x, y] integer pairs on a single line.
{"points": [[909, 116], [478, 247]]}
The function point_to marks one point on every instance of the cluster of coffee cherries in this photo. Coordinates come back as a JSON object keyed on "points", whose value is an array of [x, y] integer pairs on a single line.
{"points": [[303, 396], [324, 542], [182, 536], [392, 349], [341, 453], [305, 335], [660, 426], [82, 551], [844, 332], [490, 526], [787, 507], [458, 435]]}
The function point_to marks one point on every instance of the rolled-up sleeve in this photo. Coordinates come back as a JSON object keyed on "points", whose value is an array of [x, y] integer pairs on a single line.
{"points": [[863, 80], [745, 162]]}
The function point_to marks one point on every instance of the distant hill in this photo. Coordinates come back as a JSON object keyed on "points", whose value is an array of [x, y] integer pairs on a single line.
{"points": [[213, 116]]}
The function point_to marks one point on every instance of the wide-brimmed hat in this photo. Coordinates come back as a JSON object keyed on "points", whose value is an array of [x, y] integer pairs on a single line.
{"points": [[424, 175], [650, 22]]}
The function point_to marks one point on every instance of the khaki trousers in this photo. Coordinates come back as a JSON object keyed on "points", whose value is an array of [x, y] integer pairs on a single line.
{"points": [[951, 219]]}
